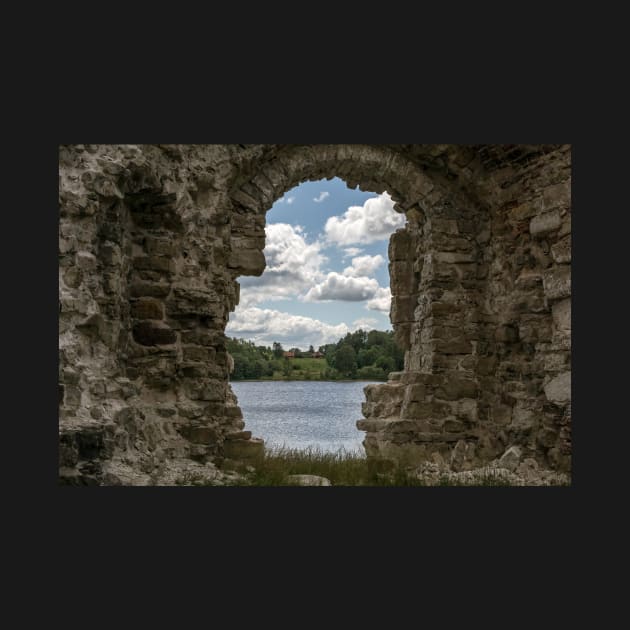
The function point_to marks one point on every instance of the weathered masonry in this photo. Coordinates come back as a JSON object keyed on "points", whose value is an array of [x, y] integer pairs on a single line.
{"points": [[153, 237]]}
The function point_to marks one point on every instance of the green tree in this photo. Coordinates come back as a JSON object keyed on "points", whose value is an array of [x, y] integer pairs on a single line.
{"points": [[385, 363], [367, 356], [278, 350], [346, 360], [286, 368], [371, 372]]}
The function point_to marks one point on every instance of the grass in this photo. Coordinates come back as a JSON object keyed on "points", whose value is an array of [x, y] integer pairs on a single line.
{"points": [[342, 468], [310, 365], [304, 369]]}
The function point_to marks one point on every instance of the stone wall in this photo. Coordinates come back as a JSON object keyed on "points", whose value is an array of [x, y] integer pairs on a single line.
{"points": [[153, 237]]}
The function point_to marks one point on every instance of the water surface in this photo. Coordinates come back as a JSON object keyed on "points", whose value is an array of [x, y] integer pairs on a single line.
{"points": [[302, 414]]}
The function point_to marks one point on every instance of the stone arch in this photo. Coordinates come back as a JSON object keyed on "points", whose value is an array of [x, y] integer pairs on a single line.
{"points": [[481, 278], [430, 407]]}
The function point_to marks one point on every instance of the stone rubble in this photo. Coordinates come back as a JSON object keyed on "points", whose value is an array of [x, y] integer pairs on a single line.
{"points": [[307, 480], [526, 474]]}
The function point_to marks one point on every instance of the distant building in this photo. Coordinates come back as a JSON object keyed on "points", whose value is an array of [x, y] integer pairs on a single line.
{"points": [[289, 355], [317, 355]]}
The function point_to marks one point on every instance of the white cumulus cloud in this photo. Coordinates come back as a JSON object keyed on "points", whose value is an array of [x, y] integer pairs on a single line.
{"points": [[340, 287], [381, 301], [375, 220], [367, 323], [292, 266], [264, 326], [322, 195], [363, 266], [351, 252]]}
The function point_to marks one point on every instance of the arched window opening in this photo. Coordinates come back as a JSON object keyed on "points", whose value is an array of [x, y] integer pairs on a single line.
{"points": [[313, 330]]}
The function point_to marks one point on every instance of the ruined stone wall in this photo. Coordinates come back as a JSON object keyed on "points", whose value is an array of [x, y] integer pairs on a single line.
{"points": [[153, 237], [144, 299], [529, 294]]}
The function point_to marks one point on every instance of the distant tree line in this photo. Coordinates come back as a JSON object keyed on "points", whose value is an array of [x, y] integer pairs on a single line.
{"points": [[358, 355]]}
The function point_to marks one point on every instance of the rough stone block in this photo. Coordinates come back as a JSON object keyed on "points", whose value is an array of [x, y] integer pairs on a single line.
{"points": [[486, 365], [528, 280], [239, 435], [109, 253], [147, 308], [86, 261], [402, 277], [72, 396], [70, 376], [400, 246], [415, 393], [561, 312], [557, 195], [561, 251], [556, 361], [502, 414], [557, 282], [244, 449], [199, 353], [454, 426], [154, 263], [247, 262], [141, 288], [466, 408], [420, 410], [149, 333], [443, 308], [308, 480], [547, 437], [160, 246], [202, 435], [453, 257], [211, 390], [73, 276], [544, 223], [68, 452], [525, 210], [452, 347], [89, 441], [456, 387], [558, 390], [402, 308], [201, 336], [511, 458], [533, 331], [524, 417], [444, 226]]}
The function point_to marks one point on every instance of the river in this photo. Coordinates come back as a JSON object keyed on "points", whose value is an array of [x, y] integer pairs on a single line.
{"points": [[302, 414]]}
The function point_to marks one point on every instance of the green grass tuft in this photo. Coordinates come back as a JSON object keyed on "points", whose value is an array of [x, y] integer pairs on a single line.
{"points": [[342, 468]]}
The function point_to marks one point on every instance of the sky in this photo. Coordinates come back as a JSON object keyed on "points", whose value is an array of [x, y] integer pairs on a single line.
{"points": [[327, 268]]}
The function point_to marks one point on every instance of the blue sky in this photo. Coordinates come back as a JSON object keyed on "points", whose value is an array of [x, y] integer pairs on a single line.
{"points": [[327, 274]]}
